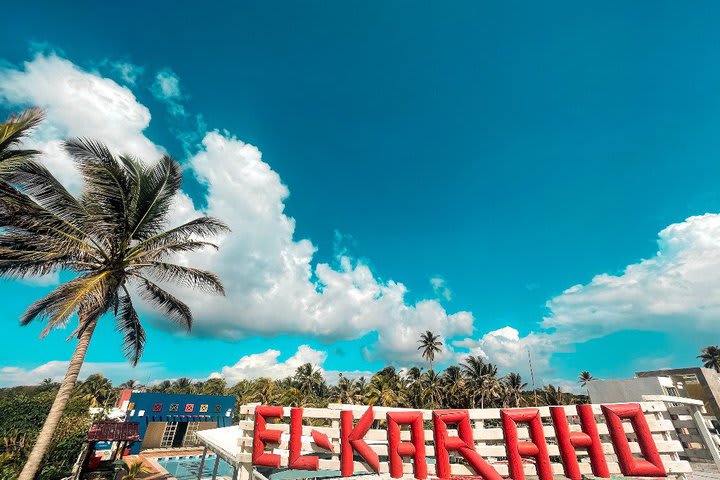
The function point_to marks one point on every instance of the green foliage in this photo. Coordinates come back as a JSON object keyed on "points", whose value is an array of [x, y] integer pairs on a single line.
{"points": [[24, 411]]}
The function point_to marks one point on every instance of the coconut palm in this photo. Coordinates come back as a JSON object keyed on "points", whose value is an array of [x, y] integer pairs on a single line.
{"points": [[710, 357], [130, 384], [133, 470], [553, 395], [96, 389], [430, 345], [266, 391], [385, 388], [163, 387], [453, 386], [432, 390], [112, 238], [346, 391], [584, 378], [413, 386], [183, 385], [514, 387], [12, 133], [214, 386], [308, 379]]}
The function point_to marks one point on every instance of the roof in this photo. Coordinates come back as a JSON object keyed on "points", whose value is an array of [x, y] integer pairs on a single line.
{"points": [[113, 431], [223, 441]]}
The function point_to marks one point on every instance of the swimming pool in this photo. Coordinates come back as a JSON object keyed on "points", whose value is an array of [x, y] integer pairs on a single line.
{"points": [[185, 467]]}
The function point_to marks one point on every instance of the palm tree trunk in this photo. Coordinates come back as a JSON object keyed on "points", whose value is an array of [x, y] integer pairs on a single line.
{"points": [[34, 461]]}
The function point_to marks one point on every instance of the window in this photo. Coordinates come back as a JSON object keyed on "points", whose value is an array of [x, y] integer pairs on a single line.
{"points": [[672, 391], [168, 434], [190, 439]]}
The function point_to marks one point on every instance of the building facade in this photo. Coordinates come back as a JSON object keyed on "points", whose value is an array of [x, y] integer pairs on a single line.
{"points": [[698, 383], [170, 420]]}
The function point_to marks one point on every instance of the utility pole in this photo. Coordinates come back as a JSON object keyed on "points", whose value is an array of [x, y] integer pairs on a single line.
{"points": [[532, 377]]}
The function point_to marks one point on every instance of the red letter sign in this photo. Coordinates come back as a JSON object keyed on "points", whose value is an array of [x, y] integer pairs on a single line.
{"points": [[351, 440], [414, 448], [463, 444], [516, 450], [589, 439], [263, 435], [295, 459], [652, 465]]}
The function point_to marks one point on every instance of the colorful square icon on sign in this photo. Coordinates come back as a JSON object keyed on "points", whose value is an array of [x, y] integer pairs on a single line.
{"points": [[189, 407], [174, 407], [131, 406], [157, 407], [218, 408], [203, 408]]}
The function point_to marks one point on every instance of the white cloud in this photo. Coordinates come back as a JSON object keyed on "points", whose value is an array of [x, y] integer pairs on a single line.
{"points": [[77, 103], [166, 88], [676, 291], [116, 371], [273, 286], [128, 72], [506, 348], [440, 288], [266, 364], [678, 286]]}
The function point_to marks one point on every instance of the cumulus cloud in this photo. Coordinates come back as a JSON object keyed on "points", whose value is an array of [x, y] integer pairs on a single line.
{"points": [[678, 286], [117, 372], [273, 285], [266, 364]]}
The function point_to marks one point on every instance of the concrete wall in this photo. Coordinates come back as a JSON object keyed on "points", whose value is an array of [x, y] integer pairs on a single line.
{"points": [[624, 390], [153, 435]]}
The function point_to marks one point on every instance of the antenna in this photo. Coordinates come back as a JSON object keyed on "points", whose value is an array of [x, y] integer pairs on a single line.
{"points": [[532, 377]]}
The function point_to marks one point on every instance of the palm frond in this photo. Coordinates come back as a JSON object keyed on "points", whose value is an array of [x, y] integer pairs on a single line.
{"points": [[128, 323], [38, 183], [12, 133], [106, 187], [20, 214], [157, 189], [187, 276], [89, 292], [200, 227], [176, 310]]}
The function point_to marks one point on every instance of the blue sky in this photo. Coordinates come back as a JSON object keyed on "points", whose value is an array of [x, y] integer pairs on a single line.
{"points": [[486, 157]]}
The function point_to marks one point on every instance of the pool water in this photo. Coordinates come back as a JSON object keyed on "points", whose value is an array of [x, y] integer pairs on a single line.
{"points": [[186, 468]]}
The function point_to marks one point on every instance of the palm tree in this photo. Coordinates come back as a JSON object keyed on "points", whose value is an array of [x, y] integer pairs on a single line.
{"points": [[163, 387], [266, 391], [584, 378], [346, 391], [385, 388], [308, 379], [12, 133], [430, 345], [515, 386], [710, 357], [555, 396], [130, 384], [96, 389], [453, 386], [111, 238], [214, 386], [183, 385], [432, 391], [133, 470]]}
